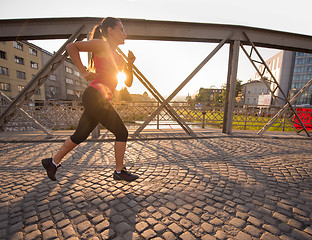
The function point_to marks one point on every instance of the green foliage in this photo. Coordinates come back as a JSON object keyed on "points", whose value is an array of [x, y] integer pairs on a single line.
{"points": [[239, 87], [206, 95]]}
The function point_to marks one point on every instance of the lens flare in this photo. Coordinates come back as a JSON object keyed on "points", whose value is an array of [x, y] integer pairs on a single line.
{"points": [[121, 76]]}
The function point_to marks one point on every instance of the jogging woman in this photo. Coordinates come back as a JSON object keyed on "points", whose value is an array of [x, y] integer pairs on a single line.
{"points": [[104, 65]]}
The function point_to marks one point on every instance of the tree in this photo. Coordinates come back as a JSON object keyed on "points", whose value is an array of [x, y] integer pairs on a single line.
{"points": [[238, 89], [124, 95], [145, 94], [202, 95], [189, 100]]}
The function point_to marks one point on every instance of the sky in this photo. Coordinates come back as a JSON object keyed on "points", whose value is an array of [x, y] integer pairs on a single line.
{"points": [[167, 64]]}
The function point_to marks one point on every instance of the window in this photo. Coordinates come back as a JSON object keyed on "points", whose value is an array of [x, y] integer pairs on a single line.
{"points": [[4, 71], [77, 73], [78, 83], [273, 65], [33, 51], [53, 90], [18, 45], [78, 93], [33, 65], [5, 86], [38, 92], [20, 88], [70, 92], [277, 62], [21, 75], [69, 81], [3, 55], [296, 77], [19, 60], [68, 69], [52, 77]]}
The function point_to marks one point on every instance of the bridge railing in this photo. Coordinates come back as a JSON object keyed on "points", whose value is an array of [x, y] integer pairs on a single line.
{"points": [[59, 115]]}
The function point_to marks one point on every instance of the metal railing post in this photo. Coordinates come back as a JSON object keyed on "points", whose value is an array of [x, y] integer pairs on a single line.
{"points": [[203, 122], [246, 117]]}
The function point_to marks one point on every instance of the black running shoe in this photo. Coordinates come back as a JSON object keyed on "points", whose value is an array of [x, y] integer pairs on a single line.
{"points": [[125, 176], [50, 167]]}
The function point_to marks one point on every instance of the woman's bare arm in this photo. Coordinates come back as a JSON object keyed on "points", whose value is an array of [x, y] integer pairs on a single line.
{"points": [[96, 46]]}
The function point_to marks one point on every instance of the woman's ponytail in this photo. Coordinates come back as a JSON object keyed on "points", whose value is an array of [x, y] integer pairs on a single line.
{"points": [[96, 33]]}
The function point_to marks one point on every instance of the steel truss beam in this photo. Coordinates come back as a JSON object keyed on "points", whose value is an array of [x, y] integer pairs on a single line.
{"points": [[38, 80], [159, 98], [272, 85], [178, 89], [284, 108], [141, 29], [25, 114]]}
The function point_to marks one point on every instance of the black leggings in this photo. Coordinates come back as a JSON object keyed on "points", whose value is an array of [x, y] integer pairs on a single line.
{"points": [[98, 110]]}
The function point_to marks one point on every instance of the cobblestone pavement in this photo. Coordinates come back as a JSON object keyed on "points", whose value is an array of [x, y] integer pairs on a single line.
{"points": [[219, 188]]}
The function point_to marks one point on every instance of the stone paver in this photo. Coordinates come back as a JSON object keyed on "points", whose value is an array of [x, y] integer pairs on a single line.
{"points": [[213, 188]]}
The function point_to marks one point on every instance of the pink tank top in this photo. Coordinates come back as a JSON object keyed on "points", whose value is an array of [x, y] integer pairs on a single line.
{"points": [[106, 70]]}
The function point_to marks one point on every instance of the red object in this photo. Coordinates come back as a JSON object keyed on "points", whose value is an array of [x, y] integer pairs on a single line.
{"points": [[305, 114]]}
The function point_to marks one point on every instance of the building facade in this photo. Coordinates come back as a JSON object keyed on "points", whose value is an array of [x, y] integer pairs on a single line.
{"points": [[281, 65], [20, 61], [65, 83], [252, 90], [301, 75]]}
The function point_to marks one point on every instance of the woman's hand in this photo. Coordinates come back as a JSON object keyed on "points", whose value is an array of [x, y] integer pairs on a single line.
{"points": [[89, 76], [131, 58], [128, 69]]}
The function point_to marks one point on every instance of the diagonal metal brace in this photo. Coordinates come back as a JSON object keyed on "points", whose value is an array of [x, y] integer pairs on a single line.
{"points": [[196, 70], [281, 111], [159, 98], [25, 114]]}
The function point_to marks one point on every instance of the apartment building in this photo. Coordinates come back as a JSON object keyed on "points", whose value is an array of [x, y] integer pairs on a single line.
{"points": [[19, 63], [65, 83]]}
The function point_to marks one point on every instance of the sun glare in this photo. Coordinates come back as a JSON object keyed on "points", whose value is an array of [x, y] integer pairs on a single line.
{"points": [[121, 76]]}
